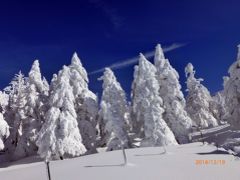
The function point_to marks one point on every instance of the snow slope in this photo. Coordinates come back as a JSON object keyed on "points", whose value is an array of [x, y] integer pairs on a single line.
{"points": [[143, 163]]}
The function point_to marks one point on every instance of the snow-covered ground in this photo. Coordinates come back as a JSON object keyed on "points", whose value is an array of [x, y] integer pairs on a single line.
{"points": [[143, 163]]}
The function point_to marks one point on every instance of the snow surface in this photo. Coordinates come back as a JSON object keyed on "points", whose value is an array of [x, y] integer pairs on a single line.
{"points": [[143, 163]]}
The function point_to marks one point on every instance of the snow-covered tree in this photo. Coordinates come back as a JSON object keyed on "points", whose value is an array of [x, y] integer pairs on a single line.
{"points": [[4, 99], [218, 107], [45, 87], [14, 111], [114, 112], [4, 128], [86, 104], [232, 93], [4, 131], [59, 136], [198, 100], [36, 95], [173, 99], [147, 107]]}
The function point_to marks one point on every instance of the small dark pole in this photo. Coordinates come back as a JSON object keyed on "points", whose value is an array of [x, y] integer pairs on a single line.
{"points": [[190, 137], [164, 147], [48, 170], [216, 141], [124, 155], [202, 136], [217, 145]]}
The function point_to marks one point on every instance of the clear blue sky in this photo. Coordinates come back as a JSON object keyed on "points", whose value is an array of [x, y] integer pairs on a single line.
{"points": [[103, 32]]}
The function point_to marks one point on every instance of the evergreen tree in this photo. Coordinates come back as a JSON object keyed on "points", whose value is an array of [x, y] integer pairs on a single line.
{"points": [[86, 104], [173, 99], [198, 100], [232, 93], [34, 111], [4, 99], [114, 112], [60, 137], [14, 112], [147, 107], [4, 128], [4, 131], [218, 107]]}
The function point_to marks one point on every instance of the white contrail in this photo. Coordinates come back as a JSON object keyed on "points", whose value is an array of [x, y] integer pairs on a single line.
{"points": [[127, 62]]}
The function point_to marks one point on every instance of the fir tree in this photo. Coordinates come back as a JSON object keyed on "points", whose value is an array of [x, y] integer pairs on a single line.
{"points": [[232, 93], [173, 99], [86, 104], [4, 131], [114, 111], [198, 100], [14, 112], [34, 111], [147, 107], [60, 136]]}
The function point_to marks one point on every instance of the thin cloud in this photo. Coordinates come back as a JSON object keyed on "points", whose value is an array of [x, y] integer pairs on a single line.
{"points": [[134, 60], [174, 46], [109, 11]]}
